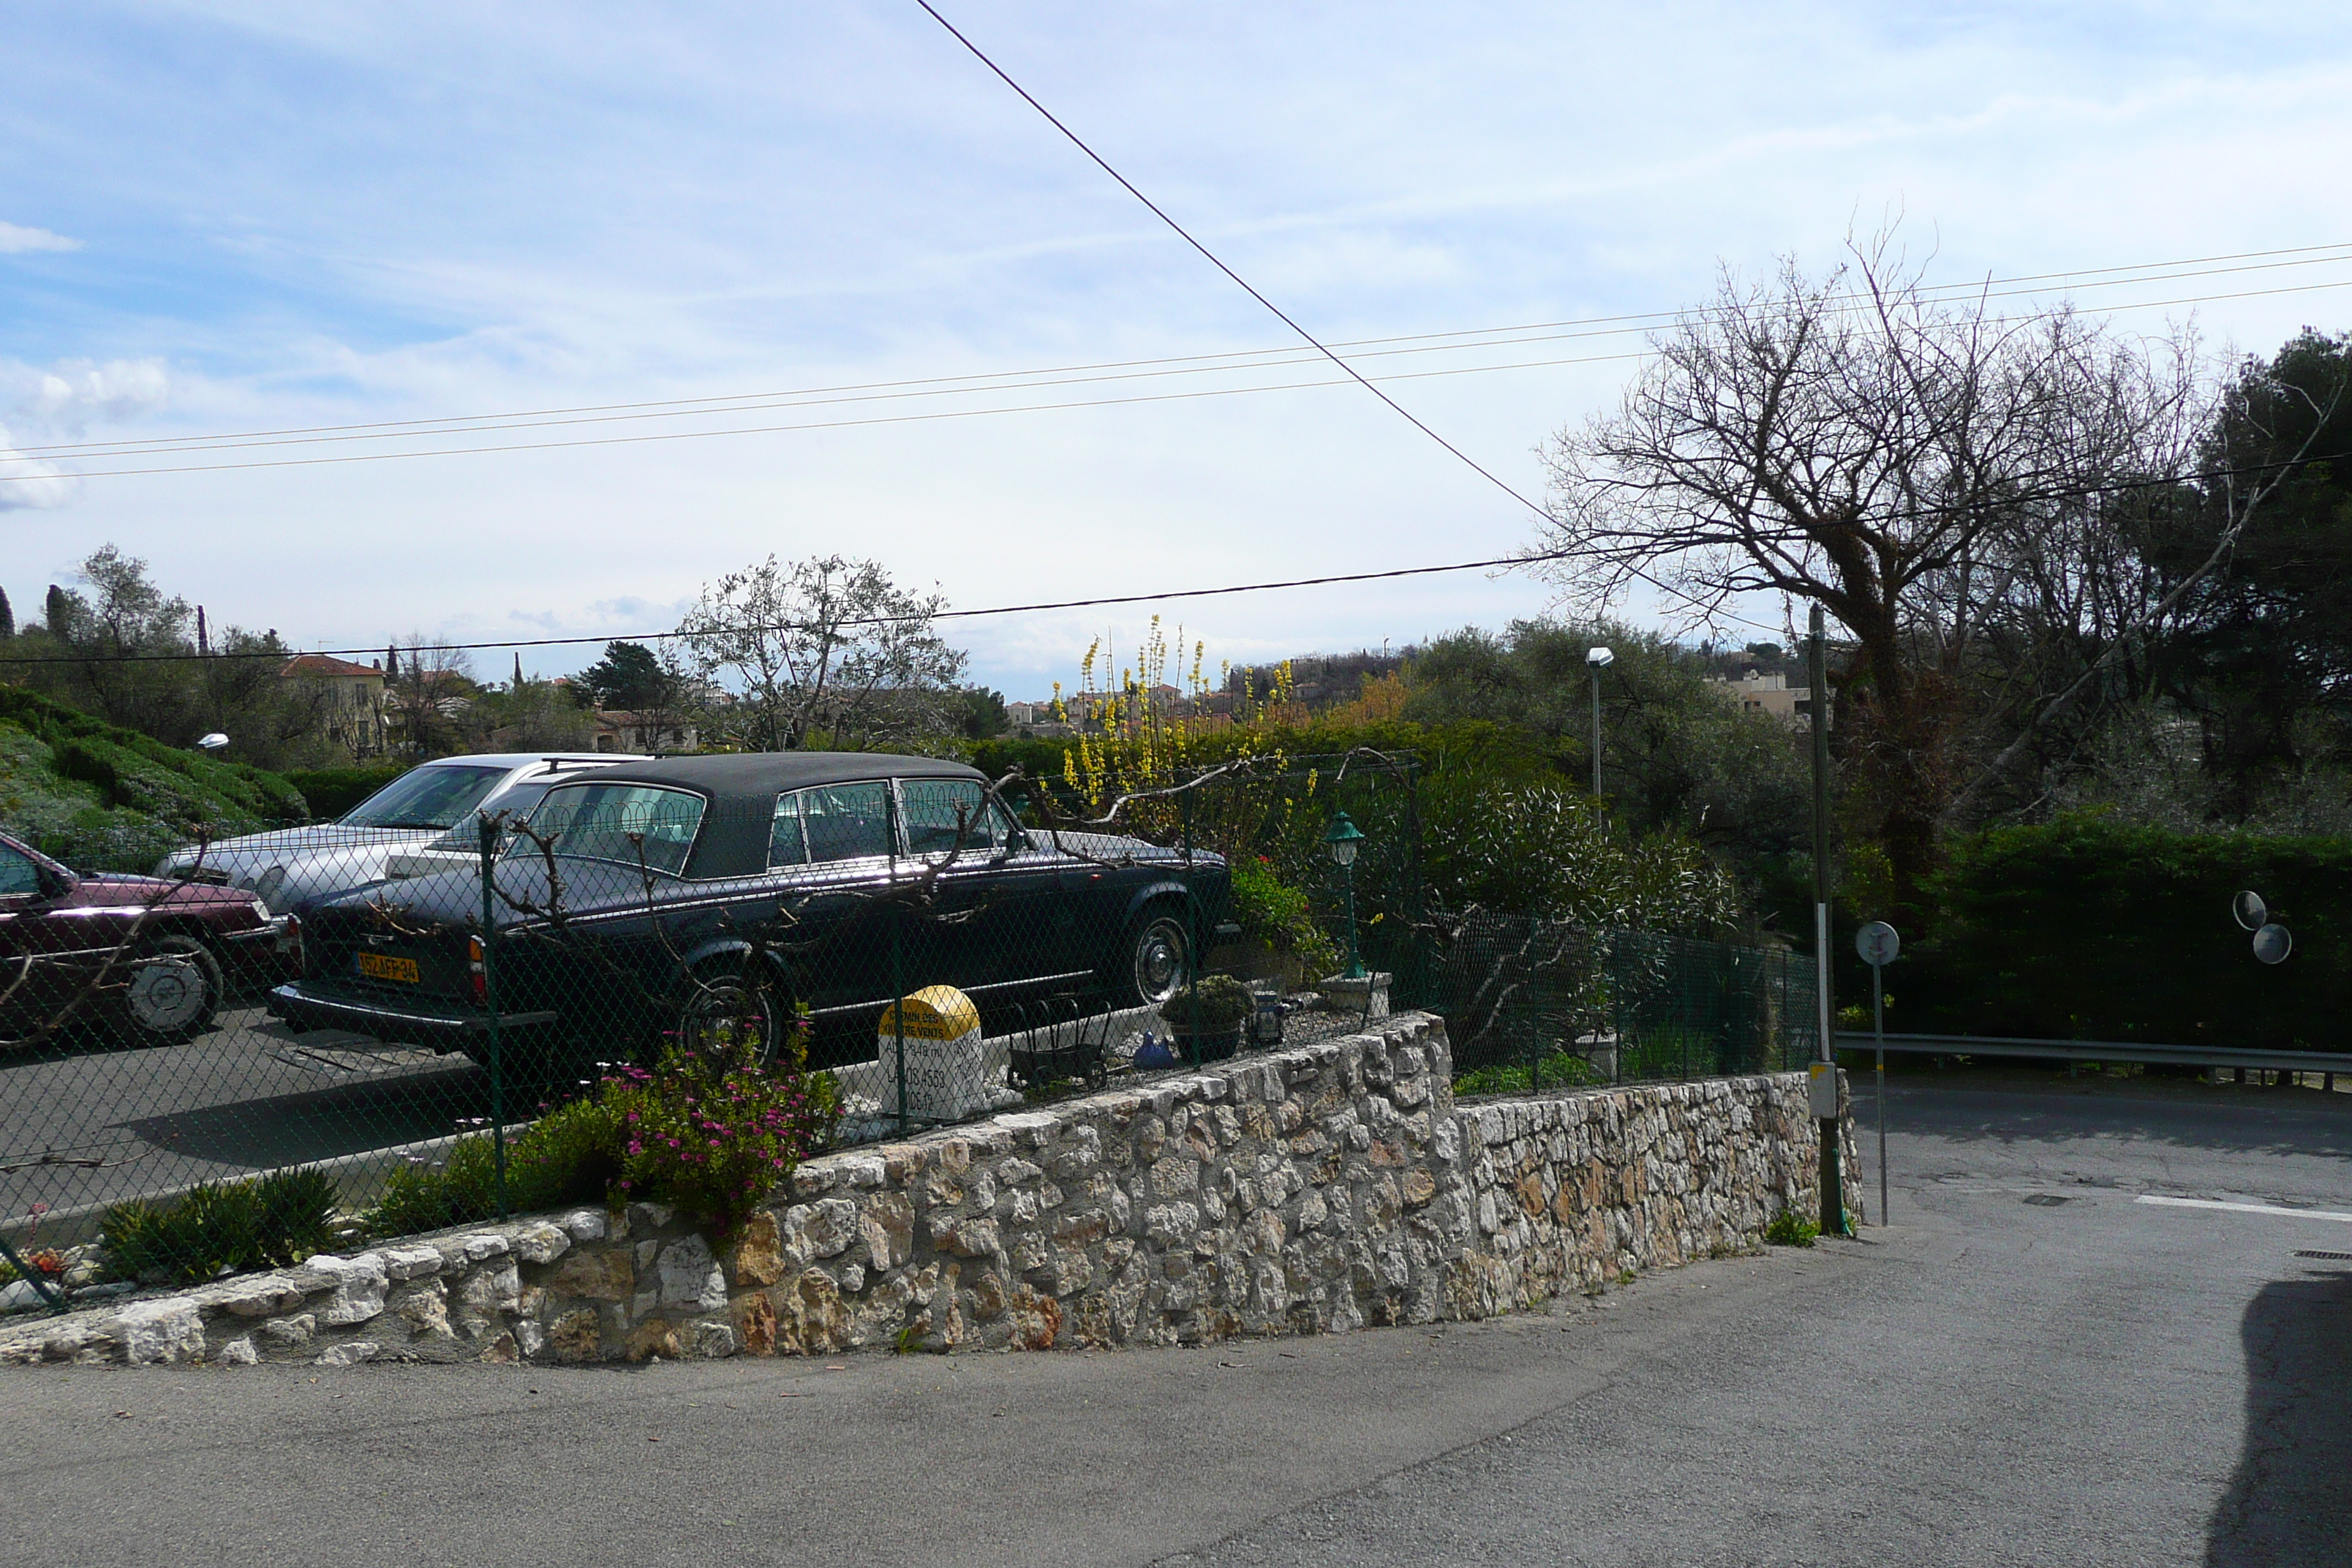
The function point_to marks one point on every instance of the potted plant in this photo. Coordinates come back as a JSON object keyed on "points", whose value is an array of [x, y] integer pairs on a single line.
{"points": [[1207, 1016]]}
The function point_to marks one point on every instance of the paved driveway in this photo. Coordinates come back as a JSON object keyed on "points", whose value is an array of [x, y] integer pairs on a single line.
{"points": [[1998, 1378]]}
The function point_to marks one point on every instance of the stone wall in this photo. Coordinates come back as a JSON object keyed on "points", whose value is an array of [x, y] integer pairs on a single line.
{"points": [[1311, 1189]]}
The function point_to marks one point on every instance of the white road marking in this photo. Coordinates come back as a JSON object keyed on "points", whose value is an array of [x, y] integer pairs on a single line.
{"points": [[2337, 1214]]}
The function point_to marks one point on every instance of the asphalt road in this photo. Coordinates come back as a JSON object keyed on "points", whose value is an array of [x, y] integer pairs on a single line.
{"points": [[1997, 1378], [248, 1095]]}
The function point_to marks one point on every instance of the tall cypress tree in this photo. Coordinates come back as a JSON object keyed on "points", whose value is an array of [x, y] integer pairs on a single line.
{"points": [[7, 616], [59, 612]]}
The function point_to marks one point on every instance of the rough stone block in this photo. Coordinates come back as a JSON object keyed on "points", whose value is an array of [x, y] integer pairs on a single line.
{"points": [[171, 1330]]}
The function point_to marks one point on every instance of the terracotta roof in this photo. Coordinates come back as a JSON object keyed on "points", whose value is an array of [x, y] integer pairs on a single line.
{"points": [[325, 664]]}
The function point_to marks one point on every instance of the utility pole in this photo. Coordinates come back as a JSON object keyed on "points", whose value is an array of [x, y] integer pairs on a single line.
{"points": [[1824, 1076]]}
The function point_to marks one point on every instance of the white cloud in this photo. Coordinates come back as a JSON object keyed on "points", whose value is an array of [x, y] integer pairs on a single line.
{"points": [[27, 485], [15, 237]]}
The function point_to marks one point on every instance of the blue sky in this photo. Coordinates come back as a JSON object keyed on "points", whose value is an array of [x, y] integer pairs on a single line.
{"points": [[225, 217]]}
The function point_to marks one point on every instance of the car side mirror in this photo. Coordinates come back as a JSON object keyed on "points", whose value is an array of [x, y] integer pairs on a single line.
{"points": [[52, 885]]}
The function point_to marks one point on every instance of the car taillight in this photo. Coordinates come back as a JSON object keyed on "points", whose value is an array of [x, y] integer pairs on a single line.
{"points": [[477, 979], [290, 941]]}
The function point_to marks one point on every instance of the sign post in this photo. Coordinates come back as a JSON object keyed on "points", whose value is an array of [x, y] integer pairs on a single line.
{"points": [[1878, 944]]}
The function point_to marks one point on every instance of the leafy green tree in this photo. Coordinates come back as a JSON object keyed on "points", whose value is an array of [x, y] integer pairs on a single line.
{"points": [[2260, 652], [1678, 753], [629, 675]]}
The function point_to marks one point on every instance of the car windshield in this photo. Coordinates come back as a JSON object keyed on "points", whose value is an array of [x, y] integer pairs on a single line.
{"points": [[616, 822], [516, 804], [434, 795]]}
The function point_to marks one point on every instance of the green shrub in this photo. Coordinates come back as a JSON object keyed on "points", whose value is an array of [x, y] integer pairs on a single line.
{"points": [[1561, 1069], [1281, 916], [331, 791], [1790, 1228], [221, 1227], [710, 1142], [1212, 1005], [2089, 928]]}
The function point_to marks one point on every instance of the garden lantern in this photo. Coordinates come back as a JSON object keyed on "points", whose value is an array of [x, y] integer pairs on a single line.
{"points": [[1343, 840]]}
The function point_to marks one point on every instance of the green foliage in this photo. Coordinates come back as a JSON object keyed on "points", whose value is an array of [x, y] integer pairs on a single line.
{"points": [[2090, 929], [709, 1140], [331, 791], [713, 1140], [1270, 911], [629, 675], [1790, 1228], [1535, 848], [1212, 1005], [1561, 1069], [570, 1155], [101, 797], [215, 1228]]}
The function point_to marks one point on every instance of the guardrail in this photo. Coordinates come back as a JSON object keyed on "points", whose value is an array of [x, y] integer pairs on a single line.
{"points": [[2101, 1051]]}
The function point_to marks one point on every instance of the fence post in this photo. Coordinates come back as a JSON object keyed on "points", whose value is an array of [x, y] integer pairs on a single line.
{"points": [[54, 1300], [1193, 954], [899, 1013], [489, 844]]}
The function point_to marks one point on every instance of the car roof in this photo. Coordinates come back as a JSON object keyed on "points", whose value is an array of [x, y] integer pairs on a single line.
{"points": [[759, 773], [511, 760]]}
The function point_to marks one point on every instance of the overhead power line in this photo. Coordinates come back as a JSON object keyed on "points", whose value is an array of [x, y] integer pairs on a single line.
{"points": [[1499, 563], [1453, 340], [936, 415]]}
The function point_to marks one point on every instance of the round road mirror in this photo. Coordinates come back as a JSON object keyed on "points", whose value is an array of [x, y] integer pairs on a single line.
{"points": [[1878, 943], [2250, 910], [2273, 943]]}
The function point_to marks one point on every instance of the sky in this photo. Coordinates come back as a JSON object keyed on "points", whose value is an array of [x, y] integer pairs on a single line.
{"points": [[220, 218]]}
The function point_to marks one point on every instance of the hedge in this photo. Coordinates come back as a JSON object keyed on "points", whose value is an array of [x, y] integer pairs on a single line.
{"points": [[331, 791], [2089, 928]]}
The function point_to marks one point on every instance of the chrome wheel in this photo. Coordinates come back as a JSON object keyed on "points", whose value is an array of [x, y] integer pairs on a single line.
{"points": [[173, 990], [726, 1022], [1159, 958]]}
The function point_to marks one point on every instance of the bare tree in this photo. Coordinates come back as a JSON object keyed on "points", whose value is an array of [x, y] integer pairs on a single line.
{"points": [[826, 651], [1928, 472], [428, 695]]}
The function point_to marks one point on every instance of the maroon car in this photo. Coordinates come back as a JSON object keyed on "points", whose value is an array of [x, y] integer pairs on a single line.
{"points": [[161, 953]]}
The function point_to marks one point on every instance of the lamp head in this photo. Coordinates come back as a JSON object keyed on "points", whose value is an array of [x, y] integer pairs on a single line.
{"points": [[1344, 838], [1598, 656], [214, 741]]}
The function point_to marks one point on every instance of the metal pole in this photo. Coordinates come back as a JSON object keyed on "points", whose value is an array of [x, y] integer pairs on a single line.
{"points": [[1817, 678], [1596, 733], [1878, 1031], [54, 1300], [898, 1014], [489, 844]]}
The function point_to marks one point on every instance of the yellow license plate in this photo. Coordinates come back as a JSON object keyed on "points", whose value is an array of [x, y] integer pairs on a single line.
{"points": [[383, 966]]}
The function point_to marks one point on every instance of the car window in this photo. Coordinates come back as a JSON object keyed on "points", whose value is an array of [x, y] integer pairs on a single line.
{"points": [[428, 796], [19, 872], [617, 822], [788, 839], [845, 821], [517, 803], [943, 815]]}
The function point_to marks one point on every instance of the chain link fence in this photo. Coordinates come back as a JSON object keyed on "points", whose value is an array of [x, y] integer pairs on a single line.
{"points": [[528, 983]]}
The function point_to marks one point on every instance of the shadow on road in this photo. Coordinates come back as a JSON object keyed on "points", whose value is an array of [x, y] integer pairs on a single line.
{"points": [[2289, 1503], [321, 1124]]}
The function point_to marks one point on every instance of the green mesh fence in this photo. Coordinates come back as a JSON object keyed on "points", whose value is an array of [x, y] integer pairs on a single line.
{"points": [[509, 986]]}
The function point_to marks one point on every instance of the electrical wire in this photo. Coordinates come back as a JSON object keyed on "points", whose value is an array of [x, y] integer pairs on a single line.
{"points": [[1063, 405], [1503, 563], [1238, 359]]}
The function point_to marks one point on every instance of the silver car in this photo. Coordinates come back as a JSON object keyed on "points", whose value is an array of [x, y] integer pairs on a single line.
{"points": [[293, 867]]}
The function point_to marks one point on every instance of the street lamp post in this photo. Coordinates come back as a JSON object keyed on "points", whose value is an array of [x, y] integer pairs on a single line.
{"points": [[1343, 840], [1598, 658]]}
